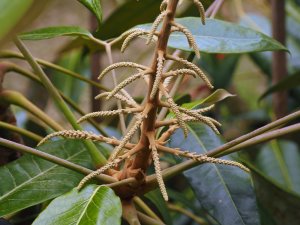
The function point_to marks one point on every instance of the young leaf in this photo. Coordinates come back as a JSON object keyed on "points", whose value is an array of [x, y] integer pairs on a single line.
{"points": [[31, 180], [92, 205], [215, 97], [218, 36], [52, 32], [95, 7], [225, 192]]}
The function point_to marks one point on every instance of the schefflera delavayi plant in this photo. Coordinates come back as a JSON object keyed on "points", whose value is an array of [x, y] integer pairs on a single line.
{"points": [[130, 159]]}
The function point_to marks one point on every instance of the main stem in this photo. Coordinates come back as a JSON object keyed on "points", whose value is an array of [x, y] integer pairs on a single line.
{"points": [[279, 65], [141, 162]]}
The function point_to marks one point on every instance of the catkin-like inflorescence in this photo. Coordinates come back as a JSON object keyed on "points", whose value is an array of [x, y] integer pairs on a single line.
{"points": [[120, 97], [75, 134], [130, 31], [201, 10], [121, 64], [130, 37], [128, 136], [205, 109], [163, 5], [177, 113], [204, 158], [125, 83], [107, 166], [207, 120], [192, 67], [159, 178], [158, 76], [155, 25], [180, 72], [107, 113], [189, 37]]}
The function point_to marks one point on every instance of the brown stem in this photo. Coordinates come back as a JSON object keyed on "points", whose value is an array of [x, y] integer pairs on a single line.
{"points": [[141, 162], [279, 65]]}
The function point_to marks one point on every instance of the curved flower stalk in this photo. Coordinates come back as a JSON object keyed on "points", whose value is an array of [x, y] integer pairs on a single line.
{"points": [[130, 159]]}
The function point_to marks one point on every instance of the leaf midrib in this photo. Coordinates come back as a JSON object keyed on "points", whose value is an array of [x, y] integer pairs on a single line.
{"points": [[87, 204], [218, 172], [35, 177]]}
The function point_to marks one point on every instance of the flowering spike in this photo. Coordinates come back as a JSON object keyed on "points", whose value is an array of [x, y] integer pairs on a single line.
{"points": [[155, 26], [201, 10], [176, 111], [108, 113], [131, 37], [159, 70], [119, 97], [121, 64], [109, 165], [163, 5], [159, 178], [192, 67], [189, 37], [127, 136], [180, 72], [125, 83]]}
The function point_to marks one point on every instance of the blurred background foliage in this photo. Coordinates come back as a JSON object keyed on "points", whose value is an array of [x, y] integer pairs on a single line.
{"points": [[276, 165]]}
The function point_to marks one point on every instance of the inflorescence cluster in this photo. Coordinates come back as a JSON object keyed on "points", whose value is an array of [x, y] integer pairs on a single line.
{"points": [[124, 149]]}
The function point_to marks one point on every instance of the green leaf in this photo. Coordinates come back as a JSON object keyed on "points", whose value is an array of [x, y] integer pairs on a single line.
{"points": [[221, 37], [15, 14], [225, 192], [31, 180], [280, 160], [281, 205], [156, 198], [285, 84], [215, 97], [95, 7], [92, 205], [51, 32]]}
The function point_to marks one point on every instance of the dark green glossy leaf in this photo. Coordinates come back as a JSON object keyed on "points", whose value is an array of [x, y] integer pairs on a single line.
{"points": [[285, 84], [95, 7], [31, 180], [92, 205], [225, 192], [156, 198], [280, 160], [52, 32], [221, 37], [281, 205]]}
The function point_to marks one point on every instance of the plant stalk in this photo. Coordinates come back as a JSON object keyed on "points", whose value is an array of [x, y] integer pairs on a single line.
{"points": [[279, 63], [97, 157], [21, 131]]}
